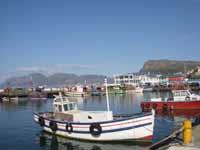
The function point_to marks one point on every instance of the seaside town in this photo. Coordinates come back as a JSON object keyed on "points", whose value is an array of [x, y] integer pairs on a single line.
{"points": [[100, 75], [134, 82]]}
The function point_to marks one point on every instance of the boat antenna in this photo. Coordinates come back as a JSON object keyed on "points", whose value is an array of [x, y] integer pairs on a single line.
{"points": [[107, 100], [61, 98]]}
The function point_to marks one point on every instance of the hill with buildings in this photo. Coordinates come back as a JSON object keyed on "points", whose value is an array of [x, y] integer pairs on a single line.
{"points": [[194, 73], [169, 66]]}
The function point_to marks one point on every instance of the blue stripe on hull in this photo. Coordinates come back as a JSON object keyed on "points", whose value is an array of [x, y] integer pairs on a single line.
{"points": [[108, 131]]}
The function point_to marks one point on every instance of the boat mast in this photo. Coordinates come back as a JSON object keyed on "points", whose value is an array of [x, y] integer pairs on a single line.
{"points": [[107, 100], [61, 98]]}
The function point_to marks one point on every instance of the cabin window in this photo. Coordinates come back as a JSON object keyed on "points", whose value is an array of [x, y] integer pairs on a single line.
{"points": [[188, 93], [60, 108], [66, 107], [176, 94], [184, 94], [71, 106]]}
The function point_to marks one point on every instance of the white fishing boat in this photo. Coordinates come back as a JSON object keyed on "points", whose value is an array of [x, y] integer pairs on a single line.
{"points": [[9, 99], [5, 99], [66, 120], [138, 89], [77, 91]]}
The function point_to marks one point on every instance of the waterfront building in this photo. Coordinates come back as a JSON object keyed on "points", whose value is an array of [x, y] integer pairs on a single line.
{"points": [[150, 80], [136, 79], [164, 81], [127, 79]]}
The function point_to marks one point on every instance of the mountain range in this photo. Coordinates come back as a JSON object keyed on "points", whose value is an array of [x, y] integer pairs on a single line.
{"points": [[55, 80], [165, 67]]}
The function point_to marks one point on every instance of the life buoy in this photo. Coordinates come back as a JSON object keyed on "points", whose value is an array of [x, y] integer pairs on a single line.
{"points": [[164, 107], [171, 108], [154, 106], [53, 126], [187, 98], [147, 105], [41, 121], [95, 129], [69, 128]]}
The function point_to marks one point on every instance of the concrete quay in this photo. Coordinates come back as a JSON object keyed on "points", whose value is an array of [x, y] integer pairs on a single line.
{"points": [[195, 145]]}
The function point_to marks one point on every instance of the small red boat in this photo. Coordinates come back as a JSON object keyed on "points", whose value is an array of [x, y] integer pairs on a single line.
{"points": [[182, 100]]}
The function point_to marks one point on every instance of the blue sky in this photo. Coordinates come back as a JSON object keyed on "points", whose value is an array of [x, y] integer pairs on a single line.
{"points": [[95, 36]]}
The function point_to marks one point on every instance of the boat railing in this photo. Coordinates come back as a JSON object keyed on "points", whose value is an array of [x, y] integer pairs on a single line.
{"points": [[49, 115], [60, 99]]}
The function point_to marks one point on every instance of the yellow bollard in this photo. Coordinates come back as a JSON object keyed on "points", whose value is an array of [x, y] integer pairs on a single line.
{"points": [[187, 132]]}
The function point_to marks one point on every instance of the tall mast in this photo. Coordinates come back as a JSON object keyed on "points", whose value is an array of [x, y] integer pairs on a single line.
{"points": [[107, 100]]}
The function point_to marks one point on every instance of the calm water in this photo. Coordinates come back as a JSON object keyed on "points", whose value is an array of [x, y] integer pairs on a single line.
{"points": [[18, 131]]}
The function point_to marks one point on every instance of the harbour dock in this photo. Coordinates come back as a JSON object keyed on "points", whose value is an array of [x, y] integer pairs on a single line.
{"points": [[178, 141], [195, 145]]}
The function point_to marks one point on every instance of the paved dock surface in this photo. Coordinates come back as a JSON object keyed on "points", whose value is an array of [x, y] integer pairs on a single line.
{"points": [[195, 145], [183, 148], [196, 136]]}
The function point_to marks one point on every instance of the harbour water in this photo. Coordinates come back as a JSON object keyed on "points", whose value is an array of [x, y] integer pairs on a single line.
{"points": [[18, 131]]}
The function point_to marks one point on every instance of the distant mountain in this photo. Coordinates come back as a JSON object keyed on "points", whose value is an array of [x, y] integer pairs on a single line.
{"points": [[168, 66], [55, 80]]}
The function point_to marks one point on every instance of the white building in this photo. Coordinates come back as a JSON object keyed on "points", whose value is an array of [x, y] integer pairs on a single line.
{"points": [[127, 79], [135, 79], [152, 80]]}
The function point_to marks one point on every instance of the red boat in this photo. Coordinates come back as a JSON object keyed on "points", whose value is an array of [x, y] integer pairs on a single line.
{"points": [[182, 100], [193, 113]]}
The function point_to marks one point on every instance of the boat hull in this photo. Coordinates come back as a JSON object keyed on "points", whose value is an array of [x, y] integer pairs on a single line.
{"points": [[132, 128], [75, 94], [170, 105]]}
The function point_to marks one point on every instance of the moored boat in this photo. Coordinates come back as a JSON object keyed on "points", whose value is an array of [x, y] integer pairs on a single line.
{"points": [[5, 99], [77, 91], [115, 89], [138, 89], [66, 120], [37, 96], [182, 99], [96, 91]]}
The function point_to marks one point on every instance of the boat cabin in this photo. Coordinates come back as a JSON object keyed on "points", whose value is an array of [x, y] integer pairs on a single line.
{"points": [[184, 95], [63, 105], [65, 110], [179, 96]]}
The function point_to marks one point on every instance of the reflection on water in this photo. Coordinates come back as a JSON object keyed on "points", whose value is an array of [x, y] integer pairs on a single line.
{"points": [[55, 142], [17, 121]]}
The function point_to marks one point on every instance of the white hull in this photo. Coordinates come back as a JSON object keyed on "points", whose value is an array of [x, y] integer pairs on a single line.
{"points": [[138, 90], [38, 98], [75, 94], [5, 99], [132, 128], [147, 89]]}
